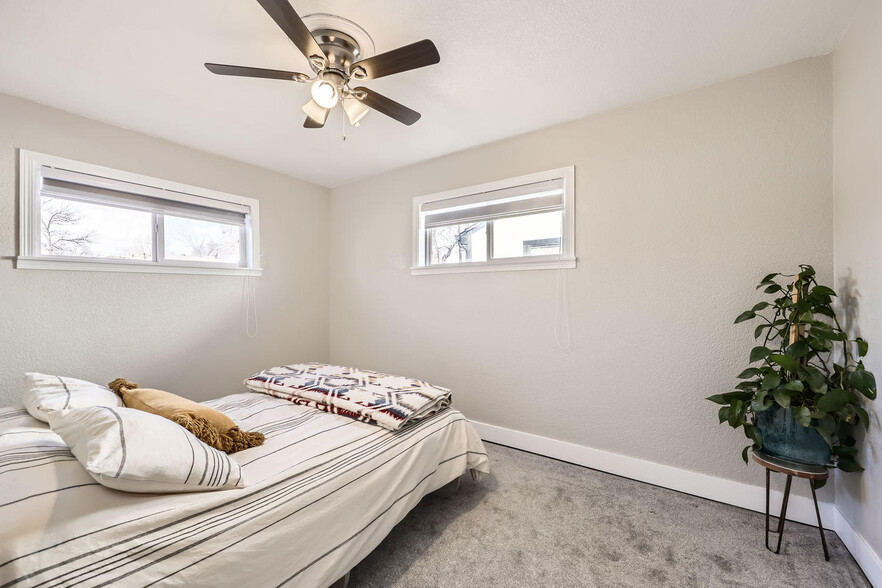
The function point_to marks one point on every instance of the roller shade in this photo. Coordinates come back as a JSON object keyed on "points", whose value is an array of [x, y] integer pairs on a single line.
{"points": [[542, 196], [60, 183]]}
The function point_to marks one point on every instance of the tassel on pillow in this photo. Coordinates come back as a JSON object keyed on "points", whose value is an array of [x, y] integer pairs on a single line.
{"points": [[208, 425]]}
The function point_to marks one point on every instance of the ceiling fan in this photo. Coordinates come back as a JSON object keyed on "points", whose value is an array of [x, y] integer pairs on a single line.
{"points": [[336, 58]]}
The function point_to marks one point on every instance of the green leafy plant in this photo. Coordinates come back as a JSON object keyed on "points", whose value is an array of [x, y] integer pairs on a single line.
{"points": [[806, 362]]}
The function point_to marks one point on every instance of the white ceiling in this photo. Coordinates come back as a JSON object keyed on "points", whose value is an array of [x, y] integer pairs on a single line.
{"points": [[507, 67]]}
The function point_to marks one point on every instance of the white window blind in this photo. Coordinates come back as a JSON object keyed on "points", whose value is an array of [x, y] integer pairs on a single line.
{"points": [[532, 198], [82, 187]]}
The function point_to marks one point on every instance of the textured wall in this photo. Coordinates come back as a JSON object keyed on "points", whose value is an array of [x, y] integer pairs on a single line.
{"points": [[682, 205], [857, 87], [181, 332]]}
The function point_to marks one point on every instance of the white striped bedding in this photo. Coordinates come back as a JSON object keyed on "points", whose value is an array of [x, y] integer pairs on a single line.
{"points": [[321, 493]]}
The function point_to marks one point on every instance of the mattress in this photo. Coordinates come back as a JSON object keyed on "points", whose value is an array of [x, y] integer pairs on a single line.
{"points": [[321, 494]]}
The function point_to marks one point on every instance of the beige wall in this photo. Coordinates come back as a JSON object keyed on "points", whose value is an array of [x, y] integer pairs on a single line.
{"points": [[182, 332], [680, 209], [857, 83], [683, 204]]}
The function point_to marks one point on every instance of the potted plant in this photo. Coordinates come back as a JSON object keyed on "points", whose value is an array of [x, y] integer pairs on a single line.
{"points": [[800, 399]]}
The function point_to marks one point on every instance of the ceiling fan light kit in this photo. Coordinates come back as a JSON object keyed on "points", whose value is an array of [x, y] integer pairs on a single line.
{"points": [[339, 51]]}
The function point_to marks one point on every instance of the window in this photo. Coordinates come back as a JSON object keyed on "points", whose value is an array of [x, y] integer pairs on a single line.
{"points": [[520, 223], [84, 217]]}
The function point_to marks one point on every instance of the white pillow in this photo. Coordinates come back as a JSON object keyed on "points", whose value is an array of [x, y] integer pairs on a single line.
{"points": [[44, 393], [135, 451]]}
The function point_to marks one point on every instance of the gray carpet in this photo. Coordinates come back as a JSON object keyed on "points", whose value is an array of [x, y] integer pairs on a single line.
{"points": [[539, 522]]}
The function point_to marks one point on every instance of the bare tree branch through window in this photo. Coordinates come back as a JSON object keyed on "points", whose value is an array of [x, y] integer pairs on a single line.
{"points": [[57, 221], [456, 243]]}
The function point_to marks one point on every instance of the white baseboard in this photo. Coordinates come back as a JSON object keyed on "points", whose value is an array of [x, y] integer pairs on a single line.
{"points": [[863, 553], [801, 509]]}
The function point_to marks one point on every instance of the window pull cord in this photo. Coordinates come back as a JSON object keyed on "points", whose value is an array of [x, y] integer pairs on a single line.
{"points": [[249, 302], [562, 331]]}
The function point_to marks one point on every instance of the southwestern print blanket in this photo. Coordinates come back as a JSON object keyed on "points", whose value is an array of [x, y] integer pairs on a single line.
{"points": [[383, 399]]}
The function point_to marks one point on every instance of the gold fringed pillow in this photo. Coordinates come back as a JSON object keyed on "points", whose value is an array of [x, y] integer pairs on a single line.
{"points": [[208, 425]]}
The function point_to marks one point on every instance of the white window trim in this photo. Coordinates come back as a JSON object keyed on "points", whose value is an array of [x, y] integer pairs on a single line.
{"points": [[30, 165], [566, 260]]}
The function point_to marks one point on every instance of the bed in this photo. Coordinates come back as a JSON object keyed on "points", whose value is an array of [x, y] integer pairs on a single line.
{"points": [[321, 494]]}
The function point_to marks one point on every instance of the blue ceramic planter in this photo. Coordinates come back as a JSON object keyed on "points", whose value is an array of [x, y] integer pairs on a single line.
{"points": [[785, 438]]}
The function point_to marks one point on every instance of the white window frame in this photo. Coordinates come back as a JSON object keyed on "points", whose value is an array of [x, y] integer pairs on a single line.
{"points": [[31, 164], [565, 260]]}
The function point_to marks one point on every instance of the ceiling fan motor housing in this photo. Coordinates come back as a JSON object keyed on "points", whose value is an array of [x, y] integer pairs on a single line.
{"points": [[340, 48], [343, 41]]}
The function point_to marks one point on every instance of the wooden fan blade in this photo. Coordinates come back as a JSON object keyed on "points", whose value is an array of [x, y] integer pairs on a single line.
{"points": [[288, 20], [413, 56], [255, 72], [311, 123], [387, 106]]}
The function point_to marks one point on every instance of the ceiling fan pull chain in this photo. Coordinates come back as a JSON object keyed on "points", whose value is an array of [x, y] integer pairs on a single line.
{"points": [[343, 113]]}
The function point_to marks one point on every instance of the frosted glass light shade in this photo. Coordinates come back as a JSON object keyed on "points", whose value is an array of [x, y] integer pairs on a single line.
{"points": [[316, 112], [355, 110]]}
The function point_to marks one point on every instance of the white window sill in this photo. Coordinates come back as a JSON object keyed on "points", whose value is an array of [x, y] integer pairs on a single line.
{"points": [[45, 263], [496, 266]]}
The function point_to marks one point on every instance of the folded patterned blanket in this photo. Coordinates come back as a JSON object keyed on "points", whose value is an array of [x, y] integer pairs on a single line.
{"points": [[386, 400]]}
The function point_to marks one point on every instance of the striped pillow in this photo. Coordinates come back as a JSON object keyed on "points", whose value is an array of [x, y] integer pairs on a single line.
{"points": [[44, 393], [135, 451]]}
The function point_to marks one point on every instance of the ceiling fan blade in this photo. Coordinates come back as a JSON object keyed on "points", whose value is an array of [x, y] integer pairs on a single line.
{"points": [[413, 56], [286, 17], [387, 106], [316, 116], [311, 123], [255, 72]]}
